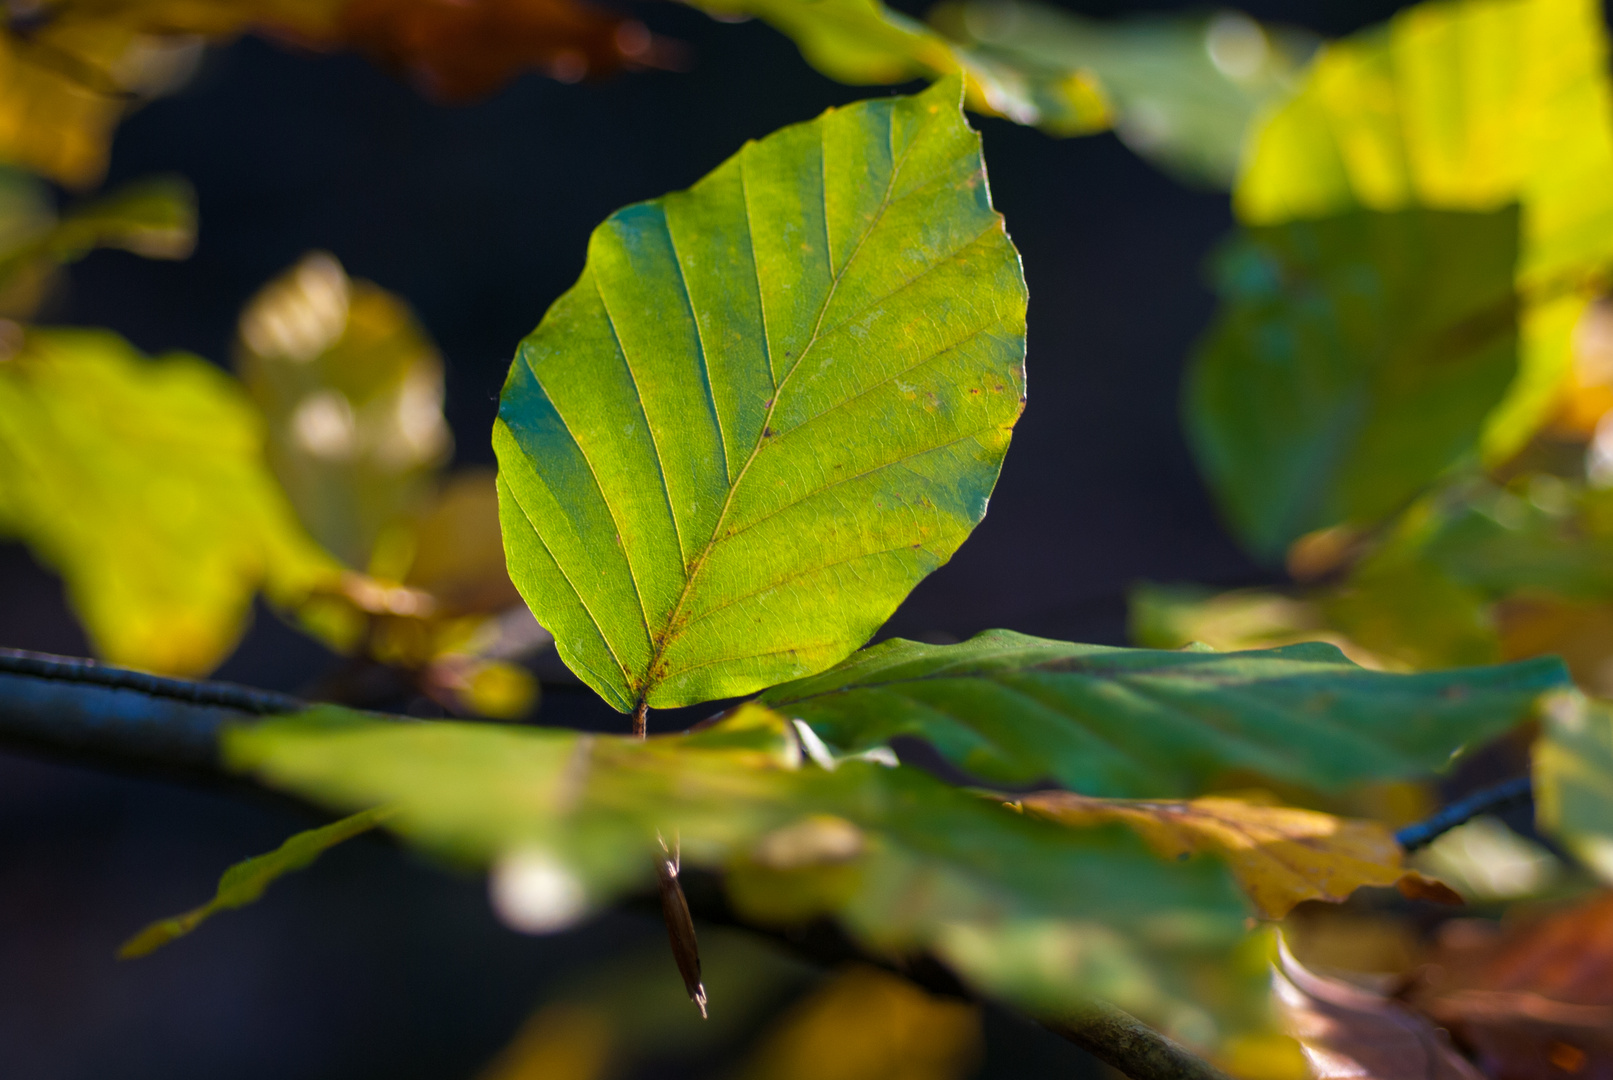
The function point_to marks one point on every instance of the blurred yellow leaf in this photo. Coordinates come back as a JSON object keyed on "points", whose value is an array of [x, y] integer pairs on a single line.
{"points": [[869, 1025], [1469, 105], [143, 483], [458, 550], [559, 1042], [352, 389], [1281, 855]]}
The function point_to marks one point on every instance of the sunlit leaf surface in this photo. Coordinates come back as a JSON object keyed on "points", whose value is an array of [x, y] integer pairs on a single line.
{"points": [[1183, 90], [1353, 361], [1143, 723], [352, 390], [1282, 855], [1472, 106], [244, 882], [142, 482], [770, 406], [1031, 911]]}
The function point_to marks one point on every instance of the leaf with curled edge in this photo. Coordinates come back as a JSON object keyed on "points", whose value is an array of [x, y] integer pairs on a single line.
{"points": [[1023, 909], [1281, 855], [769, 407], [1147, 723]]}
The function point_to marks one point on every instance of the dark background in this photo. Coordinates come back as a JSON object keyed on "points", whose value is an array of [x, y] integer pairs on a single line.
{"points": [[374, 965]]}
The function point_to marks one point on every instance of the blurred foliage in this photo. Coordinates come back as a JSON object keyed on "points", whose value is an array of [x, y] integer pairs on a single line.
{"points": [[1022, 909], [244, 882], [1280, 855], [351, 388], [1182, 91], [142, 482], [1354, 360], [1149, 724], [676, 432]]}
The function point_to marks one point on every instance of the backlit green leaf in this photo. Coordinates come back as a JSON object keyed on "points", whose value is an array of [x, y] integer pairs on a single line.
{"points": [[1470, 105], [770, 406], [142, 482], [1036, 913], [244, 882], [1143, 723], [1354, 360]]}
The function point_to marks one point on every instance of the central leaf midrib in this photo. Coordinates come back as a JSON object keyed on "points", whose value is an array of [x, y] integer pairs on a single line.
{"points": [[672, 630]]}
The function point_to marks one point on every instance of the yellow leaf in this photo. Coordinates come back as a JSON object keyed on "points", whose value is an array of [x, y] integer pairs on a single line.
{"points": [[1470, 105], [1281, 855], [868, 1025], [143, 483]]}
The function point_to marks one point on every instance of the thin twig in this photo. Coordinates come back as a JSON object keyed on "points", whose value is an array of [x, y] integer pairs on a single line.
{"points": [[1119, 1039], [1462, 811]]}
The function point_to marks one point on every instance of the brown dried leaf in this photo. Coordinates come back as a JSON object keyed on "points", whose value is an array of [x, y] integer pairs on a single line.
{"points": [[1532, 1001], [1280, 855], [1349, 1032]]}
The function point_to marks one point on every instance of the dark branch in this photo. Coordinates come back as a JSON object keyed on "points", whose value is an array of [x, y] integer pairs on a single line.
{"points": [[1462, 811], [93, 714]]}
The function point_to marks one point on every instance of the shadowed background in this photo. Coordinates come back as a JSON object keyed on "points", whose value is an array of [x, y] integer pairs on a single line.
{"points": [[374, 964]]}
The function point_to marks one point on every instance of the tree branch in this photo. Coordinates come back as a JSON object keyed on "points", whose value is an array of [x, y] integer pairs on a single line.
{"points": [[92, 714], [1464, 810]]}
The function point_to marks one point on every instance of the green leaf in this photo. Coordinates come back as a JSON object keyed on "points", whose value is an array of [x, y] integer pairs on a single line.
{"points": [[770, 406], [1142, 723], [864, 42], [1573, 773], [352, 389], [1039, 914], [1471, 106], [1184, 90], [1354, 360], [243, 883], [142, 482]]}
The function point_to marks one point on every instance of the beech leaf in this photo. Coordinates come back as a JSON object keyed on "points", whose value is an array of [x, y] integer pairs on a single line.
{"points": [[770, 406], [1150, 723], [1281, 855]]}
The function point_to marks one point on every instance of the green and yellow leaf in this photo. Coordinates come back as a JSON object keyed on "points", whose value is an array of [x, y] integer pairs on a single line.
{"points": [[770, 406], [244, 883], [1573, 772], [143, 483], [1033, 912], [1282, 856], [1144, 723]]}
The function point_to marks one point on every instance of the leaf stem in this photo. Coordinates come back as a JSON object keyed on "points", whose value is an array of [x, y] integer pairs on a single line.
{"points": [[641, 719]]}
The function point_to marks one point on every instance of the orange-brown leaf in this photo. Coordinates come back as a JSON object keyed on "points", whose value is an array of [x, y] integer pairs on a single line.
{"points": [[1280, 855]]}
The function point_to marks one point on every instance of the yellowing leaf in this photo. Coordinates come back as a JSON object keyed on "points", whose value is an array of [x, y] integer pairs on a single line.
{"points": [[244, 882], [352, 390], [1281, 855], [1470, 105], [1573, 771], [143, 484], [869, 1025]]}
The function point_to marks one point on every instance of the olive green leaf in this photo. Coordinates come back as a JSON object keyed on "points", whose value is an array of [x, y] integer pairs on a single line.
{"points": [[1144, 723], [1184, 90], [1037, 913], [142, 482], [769, 407], [1470, 106], [352, 389], [1573, 773], [243, 883], [864, 42], [1354, 360]]}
